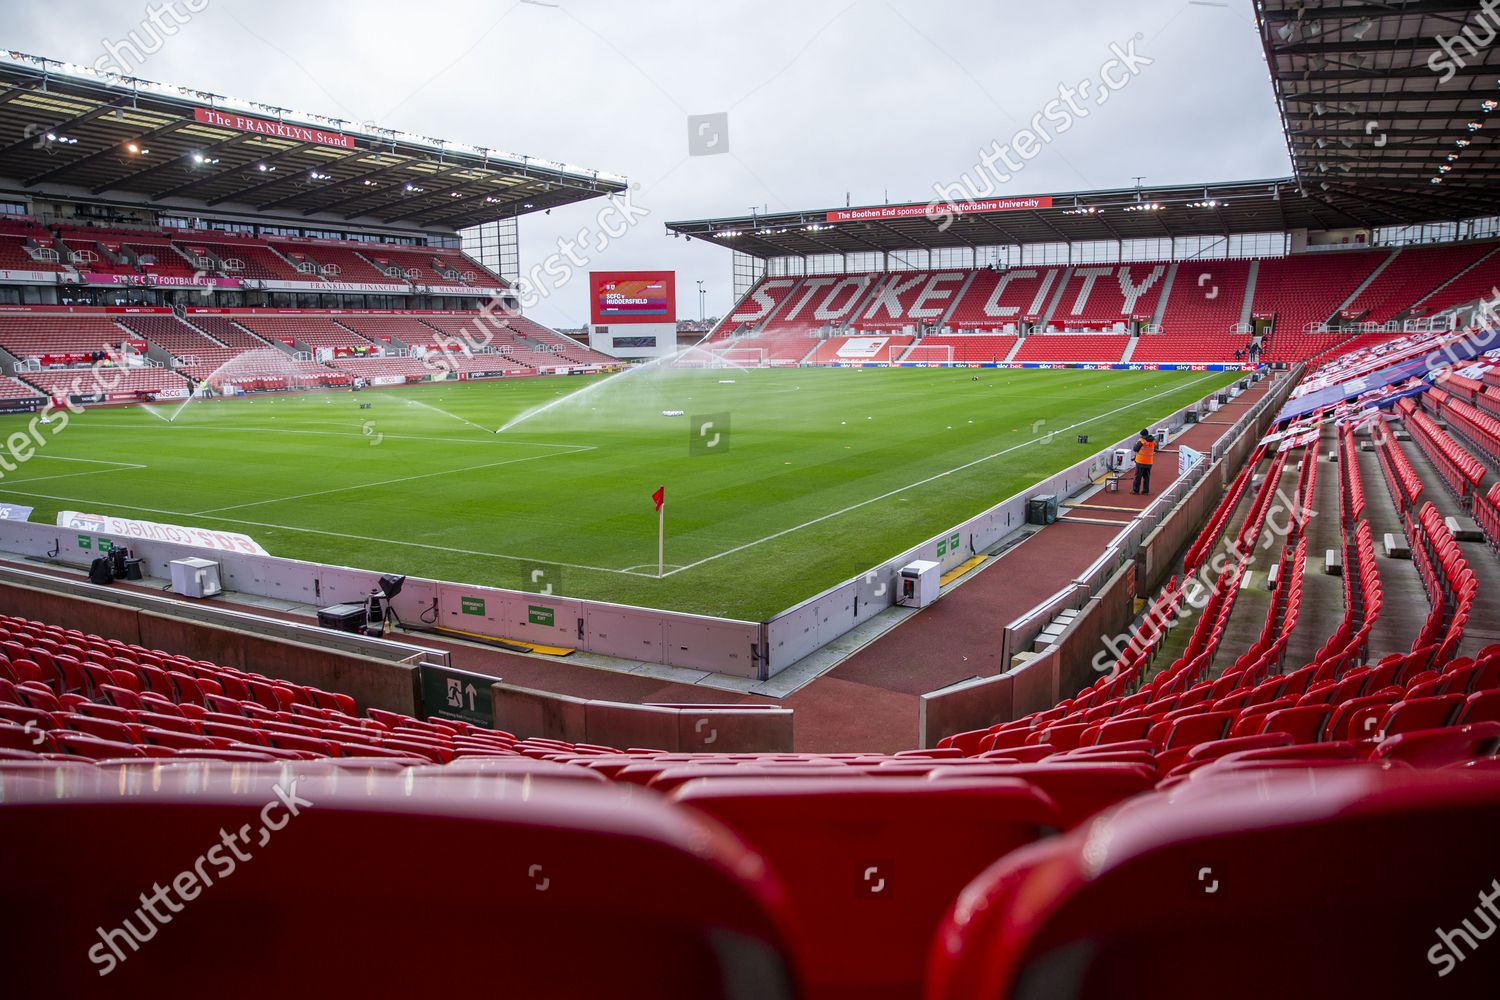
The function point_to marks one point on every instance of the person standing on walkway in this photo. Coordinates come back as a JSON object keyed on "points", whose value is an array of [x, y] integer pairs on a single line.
{"points": [[1145, 456]]}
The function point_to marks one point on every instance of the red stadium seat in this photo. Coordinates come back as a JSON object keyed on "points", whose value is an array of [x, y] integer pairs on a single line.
{"points": [[567, 863], [1092, 909], [867, 862]]}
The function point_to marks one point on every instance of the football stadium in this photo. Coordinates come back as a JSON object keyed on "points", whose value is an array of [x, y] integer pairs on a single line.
{"points": [[1002, 587]]}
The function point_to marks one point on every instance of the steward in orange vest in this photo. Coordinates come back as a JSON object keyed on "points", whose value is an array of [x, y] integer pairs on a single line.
{"points": [[1145, 455]]}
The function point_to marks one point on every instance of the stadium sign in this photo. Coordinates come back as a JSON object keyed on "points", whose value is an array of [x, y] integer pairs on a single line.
{"points": [[457, 695], [202, 538], [884, 212], [161, 280], [27, 277], [278, 130], [458, 289], [22, 405], [374, 288]]}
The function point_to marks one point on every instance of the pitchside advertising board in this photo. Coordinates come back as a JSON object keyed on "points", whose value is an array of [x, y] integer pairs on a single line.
{"points": [[633, 314]]}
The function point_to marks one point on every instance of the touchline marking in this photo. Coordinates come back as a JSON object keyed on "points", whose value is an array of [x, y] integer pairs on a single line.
{"points": [[934, 478], [365, 486], [254, 429], [330, 534], [91, 461], [69, 475]]}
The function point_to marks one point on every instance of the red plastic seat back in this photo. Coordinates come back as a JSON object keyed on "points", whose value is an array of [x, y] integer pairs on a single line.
{"points": [[870, 865], [664, 904], [1091, 910]]}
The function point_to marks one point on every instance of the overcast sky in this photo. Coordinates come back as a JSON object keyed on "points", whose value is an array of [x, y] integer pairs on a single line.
{"points": [[827, 100]]}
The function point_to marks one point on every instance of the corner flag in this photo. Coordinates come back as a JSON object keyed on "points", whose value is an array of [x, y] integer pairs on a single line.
{"points": [[660, 496]]}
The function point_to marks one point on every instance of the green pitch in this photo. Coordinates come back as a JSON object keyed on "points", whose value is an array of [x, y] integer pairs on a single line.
{"points": [[808, 476]]}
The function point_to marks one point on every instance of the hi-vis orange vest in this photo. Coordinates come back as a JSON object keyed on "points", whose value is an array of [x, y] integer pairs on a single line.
{"points": [[1147, 454]]}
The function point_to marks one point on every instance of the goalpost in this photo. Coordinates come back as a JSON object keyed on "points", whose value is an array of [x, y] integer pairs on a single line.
{"points": [[921, 353], [743, 357]]}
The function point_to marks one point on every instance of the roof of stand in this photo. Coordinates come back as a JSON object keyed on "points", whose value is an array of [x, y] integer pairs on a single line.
{"points": [[85, 135]]}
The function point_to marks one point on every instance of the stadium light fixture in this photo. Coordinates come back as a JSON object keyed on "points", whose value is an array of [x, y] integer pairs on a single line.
{"points": [[1488, 105], [1474, 126], [263, 168], [1363, 29], [1435, 180], [1443, 168], [1461, 143]]}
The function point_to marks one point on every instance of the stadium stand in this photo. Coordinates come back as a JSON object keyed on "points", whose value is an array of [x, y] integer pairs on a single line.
{"points": [[1303, 292], [331, 261], [396, 331], [1414, 273], [308, 331], [1105, 296], [996, 301], [15, 389], [226, 331], [963, 348], [430, 265], [1099, 348], [110, 384], [1297, 305], [197, 354], [858, 349], [239, 257], [27, 246], [59, 339]]}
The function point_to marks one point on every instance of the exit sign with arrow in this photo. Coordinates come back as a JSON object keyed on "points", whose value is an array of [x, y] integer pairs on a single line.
{"points": [[457, 694]]}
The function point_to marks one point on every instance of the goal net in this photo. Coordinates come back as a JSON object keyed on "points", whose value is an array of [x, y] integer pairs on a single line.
{"points": [[922, 353], [743, 357]]}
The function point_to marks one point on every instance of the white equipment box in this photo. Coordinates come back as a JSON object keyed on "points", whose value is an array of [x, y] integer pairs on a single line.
{"points": [[195, 577], [917, 584]]}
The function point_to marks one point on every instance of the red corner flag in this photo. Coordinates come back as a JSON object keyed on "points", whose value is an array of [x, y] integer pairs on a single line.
{"points": [[660, 496]]}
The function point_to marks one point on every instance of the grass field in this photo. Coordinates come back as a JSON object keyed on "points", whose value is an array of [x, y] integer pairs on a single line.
{"points": [[817, 475]]}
